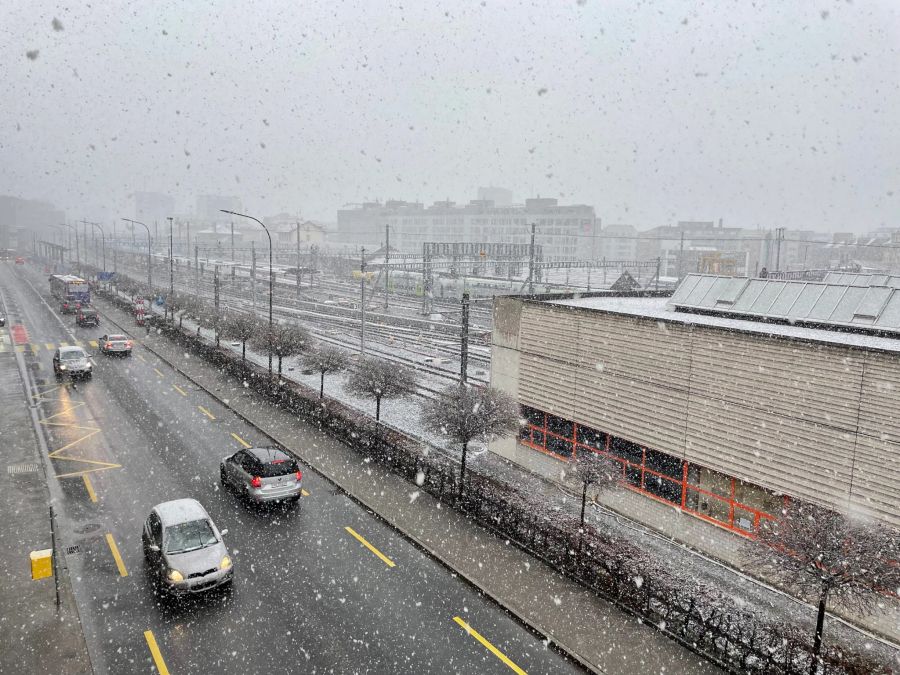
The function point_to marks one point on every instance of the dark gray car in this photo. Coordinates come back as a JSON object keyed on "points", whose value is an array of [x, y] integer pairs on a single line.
{"points": [[184, 549], [263, 475], [72, 361]]}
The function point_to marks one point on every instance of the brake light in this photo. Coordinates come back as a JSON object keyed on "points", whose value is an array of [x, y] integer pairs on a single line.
{"points": [[128, 344], [108, 345], [256, 482], [299, 475]]}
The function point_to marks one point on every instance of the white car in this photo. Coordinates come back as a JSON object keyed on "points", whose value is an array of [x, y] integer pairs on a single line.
{"points": [[115, 344]]}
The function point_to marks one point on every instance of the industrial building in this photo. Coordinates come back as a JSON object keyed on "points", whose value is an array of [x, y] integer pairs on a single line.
{"points": [[722, 400], [566, 232]]}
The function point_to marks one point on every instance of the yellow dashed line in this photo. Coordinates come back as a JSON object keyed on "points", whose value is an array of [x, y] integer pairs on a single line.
{"points": [[90, 487], [304, 492], [20, 348], [179, 390], [115, 553], [141, 358], [491, 648], [387, 561], [93, 343], [158, 373], [154, 651], [206, 412], [34, 348], [50, 346], [64, 344], [240, 440]]}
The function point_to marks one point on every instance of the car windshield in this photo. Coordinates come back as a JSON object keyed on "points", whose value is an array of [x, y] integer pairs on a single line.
{"points": [[189, 536], [71, 356]]}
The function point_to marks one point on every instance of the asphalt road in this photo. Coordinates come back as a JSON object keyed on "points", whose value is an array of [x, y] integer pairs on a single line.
{"points": [[308, 595]]}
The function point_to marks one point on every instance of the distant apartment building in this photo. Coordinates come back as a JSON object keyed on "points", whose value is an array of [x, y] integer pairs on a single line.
{"points": [[20, 218], [566, 232], [153, 207], [500, 196], [618, 242], [209, 208]]}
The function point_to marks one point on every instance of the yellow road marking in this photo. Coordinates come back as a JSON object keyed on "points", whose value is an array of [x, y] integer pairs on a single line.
{"points": [[387, 561], [179, 390], [34, 348], [141, 358], [81, 473], [79, 343], [50, 346], [115, 552], [154, 651], [64, 344], [90, 487], [240, 440], [206, 412], [93, 343], [158, 373], [496, 652], [304, 493], [20, 348]]}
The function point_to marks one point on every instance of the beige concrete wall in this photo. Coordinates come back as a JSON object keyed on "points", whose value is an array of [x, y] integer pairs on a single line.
{"points": [[811, 420]]}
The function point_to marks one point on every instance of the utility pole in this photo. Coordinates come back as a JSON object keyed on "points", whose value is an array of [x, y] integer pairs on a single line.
{"points": [[680, 257], [464, 341], [362, 303], [115, 246], [779, 236], [233, 261], [531, 261], [253, 273], [387, 257], [171, 269], [197, 270], [216, 301], [298, 261]]}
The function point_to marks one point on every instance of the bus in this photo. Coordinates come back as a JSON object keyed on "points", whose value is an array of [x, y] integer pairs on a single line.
{"points": [[71, 292]]}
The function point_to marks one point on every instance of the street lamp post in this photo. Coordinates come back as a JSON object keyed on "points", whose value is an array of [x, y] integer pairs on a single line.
{"points": [[149, 256], [171, 270], [271, 277], [103, 234], [77, 250]]}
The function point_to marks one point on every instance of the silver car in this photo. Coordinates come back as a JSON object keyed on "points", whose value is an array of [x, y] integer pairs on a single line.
{"points": [[115, 344], [184, 549], [263, 475], [72, 361]]}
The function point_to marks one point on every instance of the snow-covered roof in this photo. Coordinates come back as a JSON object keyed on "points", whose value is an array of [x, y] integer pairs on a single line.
{"points": [[655, 308]]}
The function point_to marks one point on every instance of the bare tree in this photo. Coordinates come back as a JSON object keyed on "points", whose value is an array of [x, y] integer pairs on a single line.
{"points": [[325, 358], [464, 414], [241, 327], [592, 468], [378, 379], [819, 552], [283, 340]]}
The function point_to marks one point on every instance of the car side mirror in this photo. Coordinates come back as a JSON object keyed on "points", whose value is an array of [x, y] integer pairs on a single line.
{"points": [[154, 548], [223, 532]]}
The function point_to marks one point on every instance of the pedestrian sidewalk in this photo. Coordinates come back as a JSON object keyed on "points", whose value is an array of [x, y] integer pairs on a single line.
{"points": [[597, 633], [36, 636]]}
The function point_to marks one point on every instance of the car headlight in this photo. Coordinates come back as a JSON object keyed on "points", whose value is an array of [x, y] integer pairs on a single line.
{"points": [[62, 367], [175, 575], [225, 564]]}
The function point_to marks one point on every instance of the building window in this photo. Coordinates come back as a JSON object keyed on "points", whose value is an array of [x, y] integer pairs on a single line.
{"points": [[709, 494]]}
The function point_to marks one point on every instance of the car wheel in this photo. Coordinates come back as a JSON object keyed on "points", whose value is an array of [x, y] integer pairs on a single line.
{"points": [[222, 476]]}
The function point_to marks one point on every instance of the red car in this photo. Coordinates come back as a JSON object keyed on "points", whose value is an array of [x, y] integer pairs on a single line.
{"points": [[20, 260]]}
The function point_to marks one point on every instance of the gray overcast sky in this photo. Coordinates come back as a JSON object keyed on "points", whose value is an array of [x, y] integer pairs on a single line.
{"points": [[770, 113]]}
